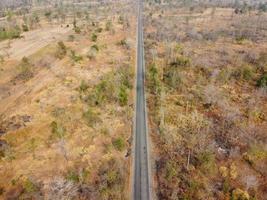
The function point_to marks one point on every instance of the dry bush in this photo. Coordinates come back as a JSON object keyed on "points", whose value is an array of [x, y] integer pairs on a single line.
{"points": [[111, 180], [26, 70], [211, 121], [91, 117], [114, 87], [61, 50], [59, 188], [212, 95]]}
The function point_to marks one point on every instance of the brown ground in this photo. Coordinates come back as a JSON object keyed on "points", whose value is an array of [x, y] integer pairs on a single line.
{"points": [[31, 159], [33, 41], [203, 66]]}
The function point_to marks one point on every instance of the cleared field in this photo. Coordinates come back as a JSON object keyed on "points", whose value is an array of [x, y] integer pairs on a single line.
{"points": [[32, 41]]}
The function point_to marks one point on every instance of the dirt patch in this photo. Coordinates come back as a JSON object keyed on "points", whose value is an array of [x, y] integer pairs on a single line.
{"points": [[32, 41]]}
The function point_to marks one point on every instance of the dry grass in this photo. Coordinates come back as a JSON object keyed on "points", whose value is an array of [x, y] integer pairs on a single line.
{"points": [[205, 66], [56, 153]]}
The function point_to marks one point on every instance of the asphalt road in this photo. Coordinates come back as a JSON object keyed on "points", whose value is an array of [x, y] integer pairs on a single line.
{"points": [[141, 162]]}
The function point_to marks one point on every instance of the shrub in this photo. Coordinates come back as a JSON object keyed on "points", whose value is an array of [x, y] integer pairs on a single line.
{"points": [[126, 76], [257, 152], [118, 144], [95, 48], [3, 148], [60, 188], [226, 186], [240, 39], [8, 153], [188, 126], [262, 7], [178, 48], [58, 131], [124, 43], [172, 77], [94, 37], [212, 95], [11, 33], [224, 75], [239, 194], [91, 54], [72, 176], [74, 57], [84, 175], [112, 184], [83, 86], [112, 88], [121, 20], [35, 18], [26, 71], [108, 25], [99, 30], [233, 171], [193, 186], [61, 50], [25, 61], [104, 130], [77, 30], [171, 170], [244, 72], [71, 38], [123, 96], [48, 14], [193, 189], [262, 81], [91, 117], [181, 61], [25, 28], [247, 73], [33, 145], [112, 176], [262, 60], [207, 161], [99, 94], [153, 79], [58, 112], [29, 186]]}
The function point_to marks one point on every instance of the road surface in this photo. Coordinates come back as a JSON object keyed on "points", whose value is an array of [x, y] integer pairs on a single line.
{"points": [[141, 187]]}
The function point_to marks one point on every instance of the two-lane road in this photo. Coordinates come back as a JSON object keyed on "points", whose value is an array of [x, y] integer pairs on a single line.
{"points": [[141, 187]]}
